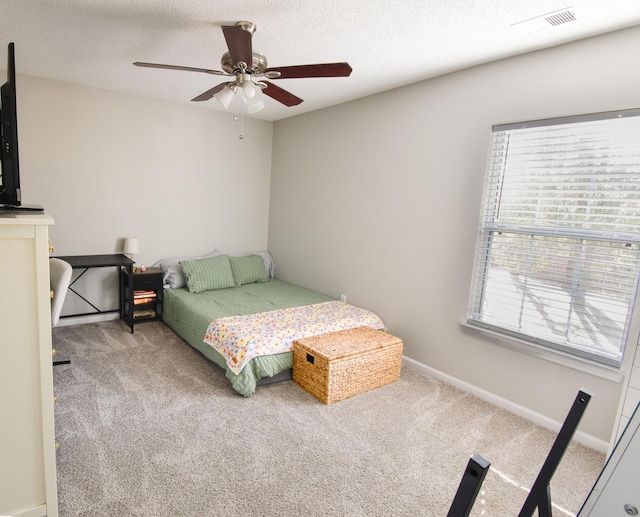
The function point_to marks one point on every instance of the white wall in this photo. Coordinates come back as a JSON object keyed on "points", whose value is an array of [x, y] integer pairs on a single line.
{"points": [[379, 199], [107, 166]]}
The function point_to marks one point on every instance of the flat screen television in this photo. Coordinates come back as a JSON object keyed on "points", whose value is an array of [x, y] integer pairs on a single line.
{"points": [[10, 194]]}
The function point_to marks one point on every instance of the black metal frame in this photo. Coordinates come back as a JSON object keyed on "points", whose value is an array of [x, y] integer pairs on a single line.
{"points": [[87, 262], [469, 487], [540, 495]]}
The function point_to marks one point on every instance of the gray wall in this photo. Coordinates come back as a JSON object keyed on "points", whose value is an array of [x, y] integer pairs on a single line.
{"points": [[379, 199], [108, 166]]}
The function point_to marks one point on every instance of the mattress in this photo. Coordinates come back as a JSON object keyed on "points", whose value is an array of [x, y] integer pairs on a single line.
{"points": [[189, 315]]}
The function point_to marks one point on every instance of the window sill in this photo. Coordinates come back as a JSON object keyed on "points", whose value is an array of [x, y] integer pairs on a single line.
{"points": [[610, 373]]}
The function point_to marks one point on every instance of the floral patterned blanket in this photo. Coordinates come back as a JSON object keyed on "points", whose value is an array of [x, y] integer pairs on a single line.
{"points": [[241, 338]]}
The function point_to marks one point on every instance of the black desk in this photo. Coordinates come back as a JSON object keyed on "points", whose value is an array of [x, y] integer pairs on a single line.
{"points": [[87, 262]]}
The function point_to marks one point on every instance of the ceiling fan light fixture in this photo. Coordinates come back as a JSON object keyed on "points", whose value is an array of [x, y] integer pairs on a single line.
{"points": [[249, 91], [225, 96], [254, 107]]}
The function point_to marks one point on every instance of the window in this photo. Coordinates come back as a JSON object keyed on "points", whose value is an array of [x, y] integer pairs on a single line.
{"points": [[558, 251]]}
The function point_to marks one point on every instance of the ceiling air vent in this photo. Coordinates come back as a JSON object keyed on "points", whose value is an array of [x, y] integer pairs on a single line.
{"points": [[560, 18], [546, 21]]}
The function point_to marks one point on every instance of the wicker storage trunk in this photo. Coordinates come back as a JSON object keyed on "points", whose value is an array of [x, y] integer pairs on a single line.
{"points": [[339, 365]]}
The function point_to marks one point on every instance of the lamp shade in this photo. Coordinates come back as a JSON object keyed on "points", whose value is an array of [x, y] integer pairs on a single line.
{"points": [[254, 107], [250, 95], [225, 96], [249, 91], [131, 246]]}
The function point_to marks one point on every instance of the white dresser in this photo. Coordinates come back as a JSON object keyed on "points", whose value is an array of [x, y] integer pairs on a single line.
{"points": [[631, 395], [27, 436]]}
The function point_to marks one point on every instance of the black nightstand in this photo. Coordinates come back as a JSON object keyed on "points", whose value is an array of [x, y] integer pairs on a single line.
{"points": [[141, 296]]}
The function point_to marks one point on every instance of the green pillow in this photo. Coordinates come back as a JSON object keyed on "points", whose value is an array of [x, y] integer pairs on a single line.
{"points": [[248, 269], [208, 274]]}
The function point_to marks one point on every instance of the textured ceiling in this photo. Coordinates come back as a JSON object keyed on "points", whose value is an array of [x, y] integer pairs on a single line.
{"points": [[388, 43]]}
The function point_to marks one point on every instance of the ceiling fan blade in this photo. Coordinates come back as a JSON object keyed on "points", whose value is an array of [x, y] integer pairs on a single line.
{"points": [[319, 70], [210, 93], [239, 43], [283, 96], [177, 67]]}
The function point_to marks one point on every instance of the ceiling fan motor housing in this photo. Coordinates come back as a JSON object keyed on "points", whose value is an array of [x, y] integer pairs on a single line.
{"points": [[258, 64]]}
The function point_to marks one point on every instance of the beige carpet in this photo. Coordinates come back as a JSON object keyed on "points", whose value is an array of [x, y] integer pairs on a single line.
{"points": [[148, 427]]}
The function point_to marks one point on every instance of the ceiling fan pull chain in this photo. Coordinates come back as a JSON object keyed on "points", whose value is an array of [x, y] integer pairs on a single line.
{"points": [[237, 102]]}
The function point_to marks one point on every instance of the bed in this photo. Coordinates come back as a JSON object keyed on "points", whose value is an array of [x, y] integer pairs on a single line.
{"points": [[199, 304]]}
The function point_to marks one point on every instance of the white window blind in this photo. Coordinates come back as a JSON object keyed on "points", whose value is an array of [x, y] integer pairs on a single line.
{"points": [[558, 251]]}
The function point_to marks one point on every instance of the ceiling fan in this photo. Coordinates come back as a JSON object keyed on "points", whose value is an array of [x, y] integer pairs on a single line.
{"points": [[247, 66]]}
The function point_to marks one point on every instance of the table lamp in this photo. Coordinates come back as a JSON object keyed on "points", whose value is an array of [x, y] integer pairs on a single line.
{"points": [[131, 247]]}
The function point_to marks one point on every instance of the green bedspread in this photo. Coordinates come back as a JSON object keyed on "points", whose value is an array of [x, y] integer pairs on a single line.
{"points": [[189, 315]]}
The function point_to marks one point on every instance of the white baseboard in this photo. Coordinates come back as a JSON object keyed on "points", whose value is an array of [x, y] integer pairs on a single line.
{"points": [[512, 407], [37, 511], [91, 318]]}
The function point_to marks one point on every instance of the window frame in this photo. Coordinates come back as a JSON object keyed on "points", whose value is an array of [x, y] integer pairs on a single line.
{"points": [[482, 254]]}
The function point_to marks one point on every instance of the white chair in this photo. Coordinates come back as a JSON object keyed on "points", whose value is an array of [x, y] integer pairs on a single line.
{"points": [[59, 280]]}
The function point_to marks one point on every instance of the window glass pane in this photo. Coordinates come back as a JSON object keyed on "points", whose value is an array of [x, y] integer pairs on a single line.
{"points": [[571, 293]]}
